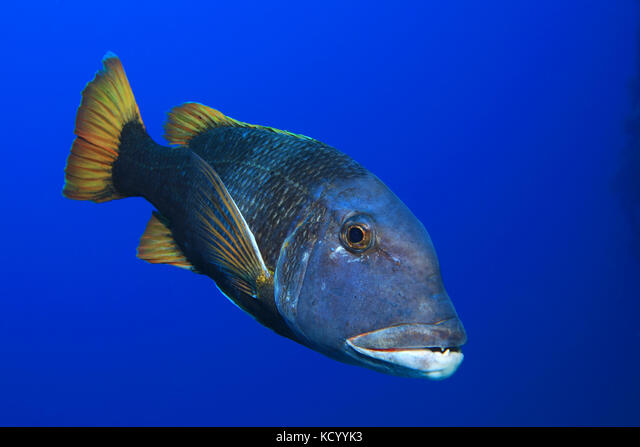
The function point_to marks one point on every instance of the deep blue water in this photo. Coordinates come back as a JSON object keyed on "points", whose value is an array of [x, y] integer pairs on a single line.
{"points": [[501, 125]]}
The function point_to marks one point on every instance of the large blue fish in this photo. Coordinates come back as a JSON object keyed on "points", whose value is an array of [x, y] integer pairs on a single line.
{"points": [[292, 231]]}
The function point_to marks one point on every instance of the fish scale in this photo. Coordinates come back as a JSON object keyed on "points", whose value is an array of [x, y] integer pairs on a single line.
{"points": [[272, 186]]}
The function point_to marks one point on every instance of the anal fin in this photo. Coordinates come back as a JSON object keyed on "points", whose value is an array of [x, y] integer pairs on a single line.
{"points": [[157, 245]]}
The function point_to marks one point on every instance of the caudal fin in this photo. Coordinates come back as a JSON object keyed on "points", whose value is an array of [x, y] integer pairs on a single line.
{"points": [[107, 105]]}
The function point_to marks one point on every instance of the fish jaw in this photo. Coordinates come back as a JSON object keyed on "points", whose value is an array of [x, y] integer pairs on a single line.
{"points": [[426, 363], [430, 351]]}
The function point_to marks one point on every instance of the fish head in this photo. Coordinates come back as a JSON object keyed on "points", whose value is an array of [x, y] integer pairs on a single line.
{"points": [[361, 283]]}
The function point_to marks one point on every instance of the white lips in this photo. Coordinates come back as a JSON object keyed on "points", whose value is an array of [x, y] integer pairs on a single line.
{"points": [[430, 364]]}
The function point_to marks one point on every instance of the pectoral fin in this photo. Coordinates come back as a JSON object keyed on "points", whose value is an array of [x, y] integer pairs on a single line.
{"points": [[222, 233]]}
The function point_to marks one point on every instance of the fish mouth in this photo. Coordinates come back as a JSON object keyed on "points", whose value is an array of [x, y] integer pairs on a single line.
{"points": [[429, 350]]}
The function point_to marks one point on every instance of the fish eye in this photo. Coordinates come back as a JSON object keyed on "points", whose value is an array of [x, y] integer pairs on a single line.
{"points": [[357, 233]]}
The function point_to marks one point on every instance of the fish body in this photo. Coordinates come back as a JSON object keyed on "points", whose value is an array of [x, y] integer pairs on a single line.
{"points": [[292, 231]]}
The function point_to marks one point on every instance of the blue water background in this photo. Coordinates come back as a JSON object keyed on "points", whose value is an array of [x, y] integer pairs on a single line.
{"points": [[501, 124]]}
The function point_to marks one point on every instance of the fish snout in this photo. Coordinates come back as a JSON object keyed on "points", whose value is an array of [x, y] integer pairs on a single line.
{"points": [[430, 350]]}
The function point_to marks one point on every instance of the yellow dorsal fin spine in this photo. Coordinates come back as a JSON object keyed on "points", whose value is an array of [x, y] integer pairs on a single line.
{"points": [[191, 118]]}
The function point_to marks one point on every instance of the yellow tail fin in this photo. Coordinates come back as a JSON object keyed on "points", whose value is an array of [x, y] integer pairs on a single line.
{"points": [[107, 105]]}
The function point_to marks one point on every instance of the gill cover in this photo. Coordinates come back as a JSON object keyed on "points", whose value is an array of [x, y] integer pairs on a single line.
{"points": [[292, 266]]}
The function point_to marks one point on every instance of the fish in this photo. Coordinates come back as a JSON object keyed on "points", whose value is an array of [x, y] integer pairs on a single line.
{"points": [[291, 230]]}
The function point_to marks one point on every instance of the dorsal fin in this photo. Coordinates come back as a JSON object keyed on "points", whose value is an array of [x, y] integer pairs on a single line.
{"points": [[224, 237], [191, 118], [157, 245]]}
